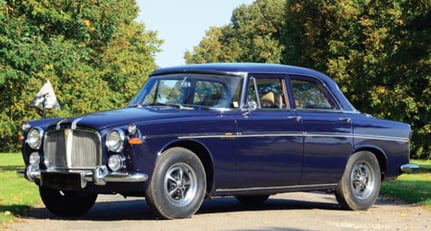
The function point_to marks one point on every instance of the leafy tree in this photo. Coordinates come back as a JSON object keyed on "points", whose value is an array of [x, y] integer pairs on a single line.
{"points": [[94, 53], [377, 51], [253, 35]]}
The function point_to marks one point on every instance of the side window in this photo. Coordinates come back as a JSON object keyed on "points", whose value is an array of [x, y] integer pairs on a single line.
{"points": [[311, 95], [268, 93], [210, 94]]}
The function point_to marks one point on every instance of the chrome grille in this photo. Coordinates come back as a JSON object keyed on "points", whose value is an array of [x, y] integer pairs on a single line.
{"points": [[72, 149]]}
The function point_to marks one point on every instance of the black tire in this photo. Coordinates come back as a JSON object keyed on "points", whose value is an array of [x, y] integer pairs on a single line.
{"points": [[252, 199], [360, 185], [178, 184], [67, 203]]}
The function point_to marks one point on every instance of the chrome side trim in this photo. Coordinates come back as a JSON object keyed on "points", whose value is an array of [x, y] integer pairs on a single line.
{"points": [[291, 134], [389, 138]]}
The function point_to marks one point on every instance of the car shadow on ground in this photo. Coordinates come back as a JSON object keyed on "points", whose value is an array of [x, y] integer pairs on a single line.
{"points": [[137, 209]]}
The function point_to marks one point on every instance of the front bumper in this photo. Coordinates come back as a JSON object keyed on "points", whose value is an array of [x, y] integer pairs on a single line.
{"points": [[99, 176]]}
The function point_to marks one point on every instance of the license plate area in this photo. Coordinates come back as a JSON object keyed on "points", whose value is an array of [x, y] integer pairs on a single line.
{"points": [[63, 180]]}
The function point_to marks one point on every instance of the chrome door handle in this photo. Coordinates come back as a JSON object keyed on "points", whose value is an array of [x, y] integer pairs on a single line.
{"points": [[297, 118], [348, 120]]}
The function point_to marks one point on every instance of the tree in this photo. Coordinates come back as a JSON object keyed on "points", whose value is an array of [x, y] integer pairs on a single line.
{"points": [[379, 52], [253, 35], [94, 53]]}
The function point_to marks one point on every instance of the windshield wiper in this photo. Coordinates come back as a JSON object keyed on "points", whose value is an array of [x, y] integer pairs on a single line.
{"points": [[175, 105]]}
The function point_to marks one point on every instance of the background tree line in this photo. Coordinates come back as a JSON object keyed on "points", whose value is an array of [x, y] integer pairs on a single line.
{"points": [[94, 53], [379, 52], [97, 56]]}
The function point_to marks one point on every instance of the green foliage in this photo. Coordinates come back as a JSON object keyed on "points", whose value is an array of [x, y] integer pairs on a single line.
{"points": [[252, 36], [379, 52], [94, 53]]}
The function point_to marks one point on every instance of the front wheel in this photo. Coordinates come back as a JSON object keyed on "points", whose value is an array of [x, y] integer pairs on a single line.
{"points": [[67, 203], [360, 185], [178, 184]]}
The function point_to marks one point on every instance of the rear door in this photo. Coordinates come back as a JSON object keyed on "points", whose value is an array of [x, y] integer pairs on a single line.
{"points": [[327, 131]]}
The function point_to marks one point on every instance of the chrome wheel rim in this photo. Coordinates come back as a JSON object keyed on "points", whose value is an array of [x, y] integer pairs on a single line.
{"points": [[180, 184], [362, 180]]}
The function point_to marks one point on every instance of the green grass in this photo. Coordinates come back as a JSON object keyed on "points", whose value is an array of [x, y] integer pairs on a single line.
{"points": [[412, 187], [17, 195]]}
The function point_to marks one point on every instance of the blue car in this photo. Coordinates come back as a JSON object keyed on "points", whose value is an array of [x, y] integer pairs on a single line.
{"points": [[213, 130]]}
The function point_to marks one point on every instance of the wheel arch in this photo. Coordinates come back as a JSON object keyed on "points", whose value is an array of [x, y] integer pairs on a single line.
{"points": [[380, 155], [203, 154]]}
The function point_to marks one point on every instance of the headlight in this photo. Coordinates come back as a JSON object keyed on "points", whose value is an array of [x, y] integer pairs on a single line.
{"points": [[115, 140], [115, 162], [34, 137]]}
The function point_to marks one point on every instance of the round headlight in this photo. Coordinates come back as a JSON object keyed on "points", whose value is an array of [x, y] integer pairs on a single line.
{"points": [[115, 162], [34, 137], [115, 140]]}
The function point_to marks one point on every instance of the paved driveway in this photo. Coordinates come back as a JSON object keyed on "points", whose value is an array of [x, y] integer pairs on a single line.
{"points": [[289, 211]]}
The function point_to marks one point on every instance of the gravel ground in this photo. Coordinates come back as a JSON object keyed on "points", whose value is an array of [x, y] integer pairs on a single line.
{"points": [[289, 211]]}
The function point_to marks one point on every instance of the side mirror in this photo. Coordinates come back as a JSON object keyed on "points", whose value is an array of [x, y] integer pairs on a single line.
{"points": [[248, 108]]}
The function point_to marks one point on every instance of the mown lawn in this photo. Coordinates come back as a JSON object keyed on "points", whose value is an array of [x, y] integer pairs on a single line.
{"points": [[17, 195], [413, 187]]}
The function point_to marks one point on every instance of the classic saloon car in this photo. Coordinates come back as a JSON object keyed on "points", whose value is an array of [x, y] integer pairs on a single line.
{"points": [[209, 130]]}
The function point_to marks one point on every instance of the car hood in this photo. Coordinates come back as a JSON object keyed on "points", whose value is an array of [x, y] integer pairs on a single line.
{"points": [[102, 120]]}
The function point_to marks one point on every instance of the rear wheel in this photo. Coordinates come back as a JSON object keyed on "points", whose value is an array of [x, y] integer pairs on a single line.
{"points": [[360, 184], [178, 184], [67, 203]]}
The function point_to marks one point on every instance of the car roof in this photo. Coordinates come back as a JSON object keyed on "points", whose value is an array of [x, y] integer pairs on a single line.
{"points": [[243, 69], [237, 69]]}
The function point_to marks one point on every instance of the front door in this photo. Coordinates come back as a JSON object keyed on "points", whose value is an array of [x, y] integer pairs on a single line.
{"points": [[270, 138]]}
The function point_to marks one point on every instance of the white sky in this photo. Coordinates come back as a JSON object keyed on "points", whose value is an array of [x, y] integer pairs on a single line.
{"points": [[182, 24]]}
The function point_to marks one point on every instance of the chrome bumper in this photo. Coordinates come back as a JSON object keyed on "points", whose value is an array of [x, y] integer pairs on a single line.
{"points": [[408, 168], [99, 176]]}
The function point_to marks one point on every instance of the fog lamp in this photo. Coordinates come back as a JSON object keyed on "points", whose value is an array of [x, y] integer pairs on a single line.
{"points": [[115, 162], [34, 158]]}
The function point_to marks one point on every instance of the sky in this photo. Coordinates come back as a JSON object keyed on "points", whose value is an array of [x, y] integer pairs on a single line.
{"points": [[183, 23]]}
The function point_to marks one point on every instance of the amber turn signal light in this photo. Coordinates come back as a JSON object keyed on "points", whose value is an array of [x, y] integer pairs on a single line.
{"points": [[135, 141]]}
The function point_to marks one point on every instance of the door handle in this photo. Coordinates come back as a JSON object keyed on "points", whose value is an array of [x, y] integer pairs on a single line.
{"points": [[348, 120], [297, 118]]}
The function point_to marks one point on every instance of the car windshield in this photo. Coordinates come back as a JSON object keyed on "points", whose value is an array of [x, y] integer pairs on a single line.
{"points": [[190, 90]]}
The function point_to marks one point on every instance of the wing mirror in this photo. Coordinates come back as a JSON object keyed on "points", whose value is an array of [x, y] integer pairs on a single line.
{"points": [[249, 107]]}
